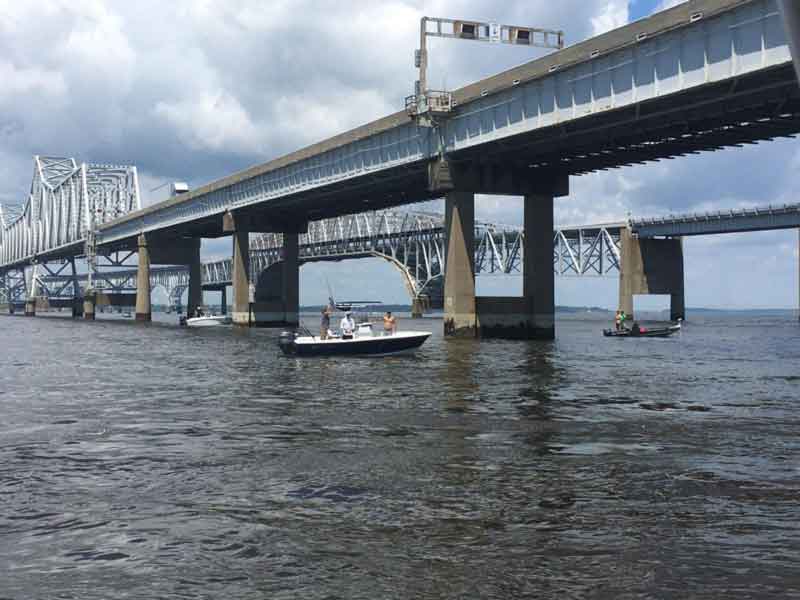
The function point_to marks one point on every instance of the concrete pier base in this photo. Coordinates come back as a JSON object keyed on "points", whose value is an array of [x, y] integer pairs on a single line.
{"points": [[241, 313], [89, 306], [224, 301], [651, 266], [143, 312], [30, 307], [417, 308], [77, 308], [510, 318], [459, 282]]}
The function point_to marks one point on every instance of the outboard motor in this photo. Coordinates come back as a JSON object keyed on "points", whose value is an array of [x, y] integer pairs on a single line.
{"points": [[286, 342]]}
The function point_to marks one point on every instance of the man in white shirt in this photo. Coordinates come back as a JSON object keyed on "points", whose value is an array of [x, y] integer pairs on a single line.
{"points": [[347, 326]]}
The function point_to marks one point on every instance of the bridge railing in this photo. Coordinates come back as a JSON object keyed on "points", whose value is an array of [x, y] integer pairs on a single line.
{"points": [[785, 216]]}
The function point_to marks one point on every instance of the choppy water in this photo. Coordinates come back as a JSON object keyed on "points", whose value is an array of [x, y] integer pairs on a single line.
{"points": [[158, 462]]}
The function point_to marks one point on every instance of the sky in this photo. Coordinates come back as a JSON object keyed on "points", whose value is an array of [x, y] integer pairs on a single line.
{"points": [[193, 90]]}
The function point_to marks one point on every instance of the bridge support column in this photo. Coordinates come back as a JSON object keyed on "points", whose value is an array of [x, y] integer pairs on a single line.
{"points": [[651, 266], [77, 302], [30, 299], [291, 279], [195, 296], [241, 278], [277, 297], [77, 308], [143, 312], [538, 283], [417, 308], [224, 300], [459, 281], [89, 301], [531, 317]]}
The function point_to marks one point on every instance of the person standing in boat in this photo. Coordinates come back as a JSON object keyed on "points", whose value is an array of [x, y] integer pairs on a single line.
{"points": [[347, 326], [389, 323], [618, 320], [325, 322]]}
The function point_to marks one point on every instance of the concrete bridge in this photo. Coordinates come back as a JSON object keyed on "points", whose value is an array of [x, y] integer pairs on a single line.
{"points": [[702, 76]]}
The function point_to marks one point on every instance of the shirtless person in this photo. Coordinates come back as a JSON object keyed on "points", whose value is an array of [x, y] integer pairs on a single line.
{"points": [[389, 324]]}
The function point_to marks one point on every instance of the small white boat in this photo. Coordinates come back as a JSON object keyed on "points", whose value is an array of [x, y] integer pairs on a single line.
{"points": [[208, 321]]}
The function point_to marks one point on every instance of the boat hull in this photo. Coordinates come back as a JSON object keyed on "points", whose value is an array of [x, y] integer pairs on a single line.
{"points": [[215, 321], [654, 332], [364, 346]]}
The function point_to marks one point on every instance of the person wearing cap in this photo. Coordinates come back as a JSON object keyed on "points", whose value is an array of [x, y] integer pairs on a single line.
{"points": [[347, 325]]}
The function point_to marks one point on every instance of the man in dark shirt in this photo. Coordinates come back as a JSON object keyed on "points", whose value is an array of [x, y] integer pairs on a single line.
{"points": [[325, 323]]}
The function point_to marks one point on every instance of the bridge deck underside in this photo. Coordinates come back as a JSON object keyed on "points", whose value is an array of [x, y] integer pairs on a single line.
{"points": [[755, 107]]}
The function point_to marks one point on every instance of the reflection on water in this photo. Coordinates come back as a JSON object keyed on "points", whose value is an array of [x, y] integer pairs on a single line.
{"points": [[164, 462]]}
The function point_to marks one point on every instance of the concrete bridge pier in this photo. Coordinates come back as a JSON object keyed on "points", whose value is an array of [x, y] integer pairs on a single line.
{"points": [[240, 277], [195, 295], [77, 301], [459, 282], [143, 311], [651, 266], [30, 298], [291, 279], [277, 295], [89, 302], [417, 308], [538, 283], [533, 315]]}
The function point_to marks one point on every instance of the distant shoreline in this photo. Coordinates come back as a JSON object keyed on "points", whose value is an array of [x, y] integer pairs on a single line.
{"points": [[588, 309]]}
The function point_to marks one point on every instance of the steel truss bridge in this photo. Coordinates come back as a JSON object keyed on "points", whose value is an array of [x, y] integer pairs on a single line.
{"points": [[412, 242], [66, 204]]}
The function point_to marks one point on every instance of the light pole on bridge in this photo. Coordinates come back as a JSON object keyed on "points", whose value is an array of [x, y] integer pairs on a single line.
{"points": [[426, 104]]}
